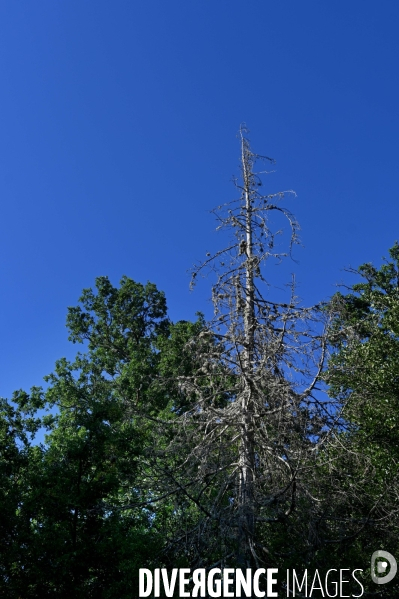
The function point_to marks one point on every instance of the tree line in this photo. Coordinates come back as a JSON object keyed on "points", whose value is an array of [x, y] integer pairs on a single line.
{"points": [[267, 437]]}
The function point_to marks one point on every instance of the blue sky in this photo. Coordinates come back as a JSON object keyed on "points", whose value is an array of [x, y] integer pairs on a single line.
{"points": [[118, 135]]}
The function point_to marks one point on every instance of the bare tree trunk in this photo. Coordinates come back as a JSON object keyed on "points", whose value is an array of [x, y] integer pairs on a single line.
{"points": [[246, 518]]}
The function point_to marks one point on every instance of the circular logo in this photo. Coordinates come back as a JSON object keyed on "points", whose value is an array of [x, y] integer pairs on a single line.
{"points": [[382, 567]]}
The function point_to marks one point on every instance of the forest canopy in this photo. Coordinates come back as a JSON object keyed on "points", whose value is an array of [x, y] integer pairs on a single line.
{"points": [[265, 438]]}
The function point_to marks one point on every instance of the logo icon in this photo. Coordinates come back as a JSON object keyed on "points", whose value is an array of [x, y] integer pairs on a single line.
{"points": [[384, 559]]}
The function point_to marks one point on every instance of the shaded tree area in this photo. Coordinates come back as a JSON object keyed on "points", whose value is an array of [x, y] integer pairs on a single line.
{"points": [[267, 437], [363, 373]]}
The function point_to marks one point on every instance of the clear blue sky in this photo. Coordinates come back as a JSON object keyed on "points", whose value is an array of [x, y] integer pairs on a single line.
{"points": [[118, 135]]}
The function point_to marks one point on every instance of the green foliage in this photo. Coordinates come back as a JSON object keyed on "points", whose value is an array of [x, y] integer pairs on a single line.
{"points": [[81, 513], [364, 369], [363, 373], [121, 327], [77, 517]]}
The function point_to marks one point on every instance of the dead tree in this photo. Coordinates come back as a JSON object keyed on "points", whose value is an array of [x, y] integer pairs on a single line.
{"points": [[243, 453]]}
